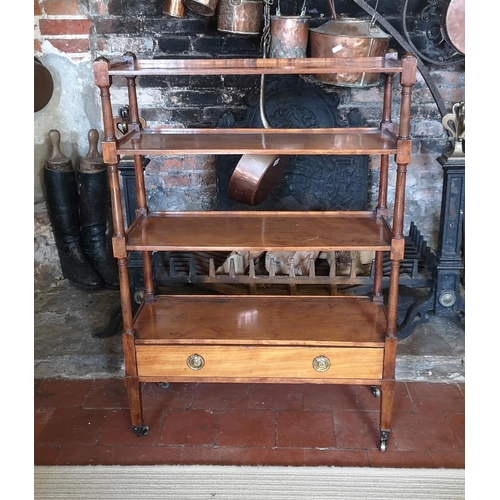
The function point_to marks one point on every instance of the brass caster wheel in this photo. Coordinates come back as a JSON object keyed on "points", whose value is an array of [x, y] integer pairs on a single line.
{"points": [[384, 438], [140, 430], [375, 391], [163, 385]]}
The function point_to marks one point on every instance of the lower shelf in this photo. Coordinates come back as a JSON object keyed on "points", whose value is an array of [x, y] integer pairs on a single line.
{"points": [[314, 321], [260, 339]]}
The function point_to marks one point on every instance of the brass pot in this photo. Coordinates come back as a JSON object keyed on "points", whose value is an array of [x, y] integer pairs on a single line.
{"points": [[349, 37], [202, 7], [174, 8], [254, 177], [289, 35], [242, 17]]}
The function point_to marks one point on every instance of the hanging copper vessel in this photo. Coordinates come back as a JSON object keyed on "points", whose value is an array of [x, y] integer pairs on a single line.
{"points": [[203, 7], [242, 17], [174, 8], [254, 177], [348, 37], [289, 34]]}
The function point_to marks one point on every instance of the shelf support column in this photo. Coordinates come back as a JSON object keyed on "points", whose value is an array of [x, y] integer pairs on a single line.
{"points": [[403, 154], [140, 187], [408, 79], [110, 157], [382, 210]]}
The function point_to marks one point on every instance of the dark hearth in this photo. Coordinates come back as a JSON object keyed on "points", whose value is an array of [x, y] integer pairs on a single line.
{"points": [[310, 182]]}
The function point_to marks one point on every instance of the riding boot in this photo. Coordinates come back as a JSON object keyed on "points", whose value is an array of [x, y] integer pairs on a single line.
{"points": [[62, 205], [94, 214]]}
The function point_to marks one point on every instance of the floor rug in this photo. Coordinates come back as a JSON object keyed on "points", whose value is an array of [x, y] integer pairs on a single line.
{"points": [[199, 482]]}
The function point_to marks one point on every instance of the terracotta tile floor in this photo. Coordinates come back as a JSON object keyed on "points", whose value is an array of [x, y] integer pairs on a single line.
{"points": [[86, 422]]}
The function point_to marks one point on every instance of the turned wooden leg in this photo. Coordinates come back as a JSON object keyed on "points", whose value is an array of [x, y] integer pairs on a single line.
{"points": [[134, 397], [386, 405]]}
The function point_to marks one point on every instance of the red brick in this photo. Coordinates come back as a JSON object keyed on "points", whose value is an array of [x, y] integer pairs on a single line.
{"points": [[275, 396], [112, 455], [42, 416], [107, 393], [65, 26], [423, 431], [357, 429], [305, 429], [193, 427], [400, 459], [70, 426], [246, 428], [61, 393], [176, 180], [117, 428], [335, 458], [198, 162], [448, 459], [38, 10], [61, 7], [171, 163], [38, 46], [46, 455], [101, 7], [71, 46], [211, 455], [286, 457]]}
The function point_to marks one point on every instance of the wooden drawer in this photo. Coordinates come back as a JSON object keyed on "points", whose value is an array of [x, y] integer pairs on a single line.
{"points": [[253, 362]]}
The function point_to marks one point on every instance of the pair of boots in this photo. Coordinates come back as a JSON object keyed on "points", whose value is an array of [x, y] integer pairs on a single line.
{"points": [[78, 206]]}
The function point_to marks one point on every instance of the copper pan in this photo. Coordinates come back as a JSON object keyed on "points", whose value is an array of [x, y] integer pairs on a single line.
{"points": [[255, 177], [202, 7], [454, 22]]}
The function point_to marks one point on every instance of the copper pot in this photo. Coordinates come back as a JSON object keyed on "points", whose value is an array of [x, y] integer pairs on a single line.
{"points": [[242, 17], [289, 36], [202, 7], [254, 177], [348, 37], [174, 8]]}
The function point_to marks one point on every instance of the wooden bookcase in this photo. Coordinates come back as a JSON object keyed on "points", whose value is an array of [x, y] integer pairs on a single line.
{"points": [[257, 338]]}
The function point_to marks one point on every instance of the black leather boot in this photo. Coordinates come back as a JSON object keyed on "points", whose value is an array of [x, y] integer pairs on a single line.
{"points": [[62, 204], [94, 214]]}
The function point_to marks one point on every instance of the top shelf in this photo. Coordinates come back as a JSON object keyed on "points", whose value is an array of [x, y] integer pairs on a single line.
{"points": [[246, 66]]}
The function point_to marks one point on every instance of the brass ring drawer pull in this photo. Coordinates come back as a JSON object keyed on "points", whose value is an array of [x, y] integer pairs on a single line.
{"points": [[321, 363], [195, 362]]}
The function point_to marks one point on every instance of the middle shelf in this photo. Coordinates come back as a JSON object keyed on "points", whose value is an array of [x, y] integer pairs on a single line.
{"points": [[344, 141], [259, 231]]}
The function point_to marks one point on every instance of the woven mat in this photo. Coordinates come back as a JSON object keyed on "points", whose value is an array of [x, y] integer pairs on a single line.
{"points": [[199, 482]]}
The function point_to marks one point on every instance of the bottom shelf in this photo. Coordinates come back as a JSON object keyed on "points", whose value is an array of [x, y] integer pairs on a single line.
{"points": [[314, 321], [260, 339]]}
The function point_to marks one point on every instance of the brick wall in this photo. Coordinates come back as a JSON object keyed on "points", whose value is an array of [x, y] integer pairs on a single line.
{"points": [[70, 34]]}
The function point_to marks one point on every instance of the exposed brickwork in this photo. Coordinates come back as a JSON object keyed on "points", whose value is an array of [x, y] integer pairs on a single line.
{"points": [[74, 45], [111, 27], [61, 7], [65, 26]]}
